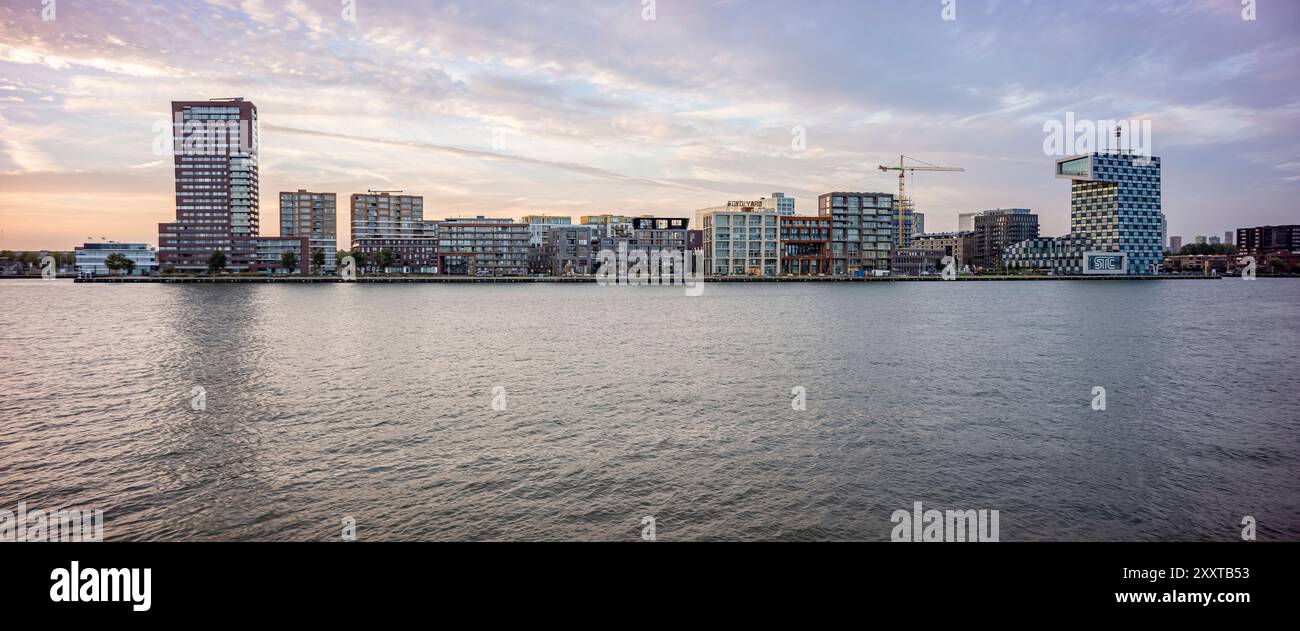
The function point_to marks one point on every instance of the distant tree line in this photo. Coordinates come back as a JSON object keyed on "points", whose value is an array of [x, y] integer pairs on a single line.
{"points": [[1207, 249], [31, 260]]}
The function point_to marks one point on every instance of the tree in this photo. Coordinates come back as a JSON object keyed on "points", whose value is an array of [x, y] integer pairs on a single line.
{"points": [[29, 259], [118, 261], [7, 255], [289, 261], [317, 259], [384, 259], [216, 262]]}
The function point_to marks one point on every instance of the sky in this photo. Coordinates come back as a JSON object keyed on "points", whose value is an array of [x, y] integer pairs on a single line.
{"points": [[506, 108]]}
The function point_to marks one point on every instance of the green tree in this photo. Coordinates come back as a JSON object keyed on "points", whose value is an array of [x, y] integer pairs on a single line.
{"points": [[289, 261], [117, 262], [29, 259], [216, 262], [317, 259], [7, 255], [384, 259]]}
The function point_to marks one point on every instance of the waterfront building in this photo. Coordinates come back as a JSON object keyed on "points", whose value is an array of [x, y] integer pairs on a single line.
{"points": [[570, 250], [959, 245], [665, 235], [916, 261], [1199, 264], [740, 239], [539, 226], [1115, 219], [918, 226], [415, 254], [611, 226], [784, 206], [386, 215], [1262, 241], [215, 153], [482, 246], [270, 251], [315, 216], [862, 231], [1051, 255], [997, 229], [805, 246], [89, 258]]}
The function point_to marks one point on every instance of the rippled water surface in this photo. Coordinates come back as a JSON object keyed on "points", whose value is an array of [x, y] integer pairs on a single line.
{"points": [[377, 402]]}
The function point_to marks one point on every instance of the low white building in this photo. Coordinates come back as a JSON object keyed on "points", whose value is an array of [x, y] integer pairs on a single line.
{"points": [[90, 258]]}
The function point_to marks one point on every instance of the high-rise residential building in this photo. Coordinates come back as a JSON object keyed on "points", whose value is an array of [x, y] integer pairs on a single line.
{"points": [[1201, 240], [1175, 244], [386, 215], [539, 227], [918, 225], [482, 246], [1265, 240], [315, 216], [215, 148], [966, 222], [862, 231], [805, 246], [997, 229], [740, 239], [959, 245], [784, 206], [90, 258], [1116, 222], [1215, 241], [1227, 237], [388, 227]]}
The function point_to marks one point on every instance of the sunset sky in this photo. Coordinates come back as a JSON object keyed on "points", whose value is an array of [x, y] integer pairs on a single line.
{"points": [[515, 107]]}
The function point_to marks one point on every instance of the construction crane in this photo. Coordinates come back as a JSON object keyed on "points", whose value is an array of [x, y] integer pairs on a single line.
{"points": [[902, 240]]}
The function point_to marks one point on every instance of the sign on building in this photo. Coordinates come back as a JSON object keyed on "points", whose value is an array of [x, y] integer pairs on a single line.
{"points": [[1105, 263]]}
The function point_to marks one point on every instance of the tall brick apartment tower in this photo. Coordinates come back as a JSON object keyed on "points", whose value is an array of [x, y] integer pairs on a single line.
{"points": [[215, 154]]}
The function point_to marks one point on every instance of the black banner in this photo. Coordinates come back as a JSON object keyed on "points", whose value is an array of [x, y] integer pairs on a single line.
{"points": [[232, 581]]}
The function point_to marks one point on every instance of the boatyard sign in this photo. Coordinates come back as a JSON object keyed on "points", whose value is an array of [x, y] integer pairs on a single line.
{"points": [[1105, 263]]}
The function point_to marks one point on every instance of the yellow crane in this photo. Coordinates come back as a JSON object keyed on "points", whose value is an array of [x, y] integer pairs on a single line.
{"points": [[901, 239]]}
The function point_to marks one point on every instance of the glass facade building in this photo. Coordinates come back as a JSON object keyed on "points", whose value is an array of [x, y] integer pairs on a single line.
{"points": [[1115, 207]]}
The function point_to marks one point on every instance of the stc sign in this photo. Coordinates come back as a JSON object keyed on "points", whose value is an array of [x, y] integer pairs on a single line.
{"points": [[1105, 263]]}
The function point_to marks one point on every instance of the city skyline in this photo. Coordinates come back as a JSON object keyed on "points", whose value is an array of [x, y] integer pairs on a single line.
{"points": [[498, 110]]}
